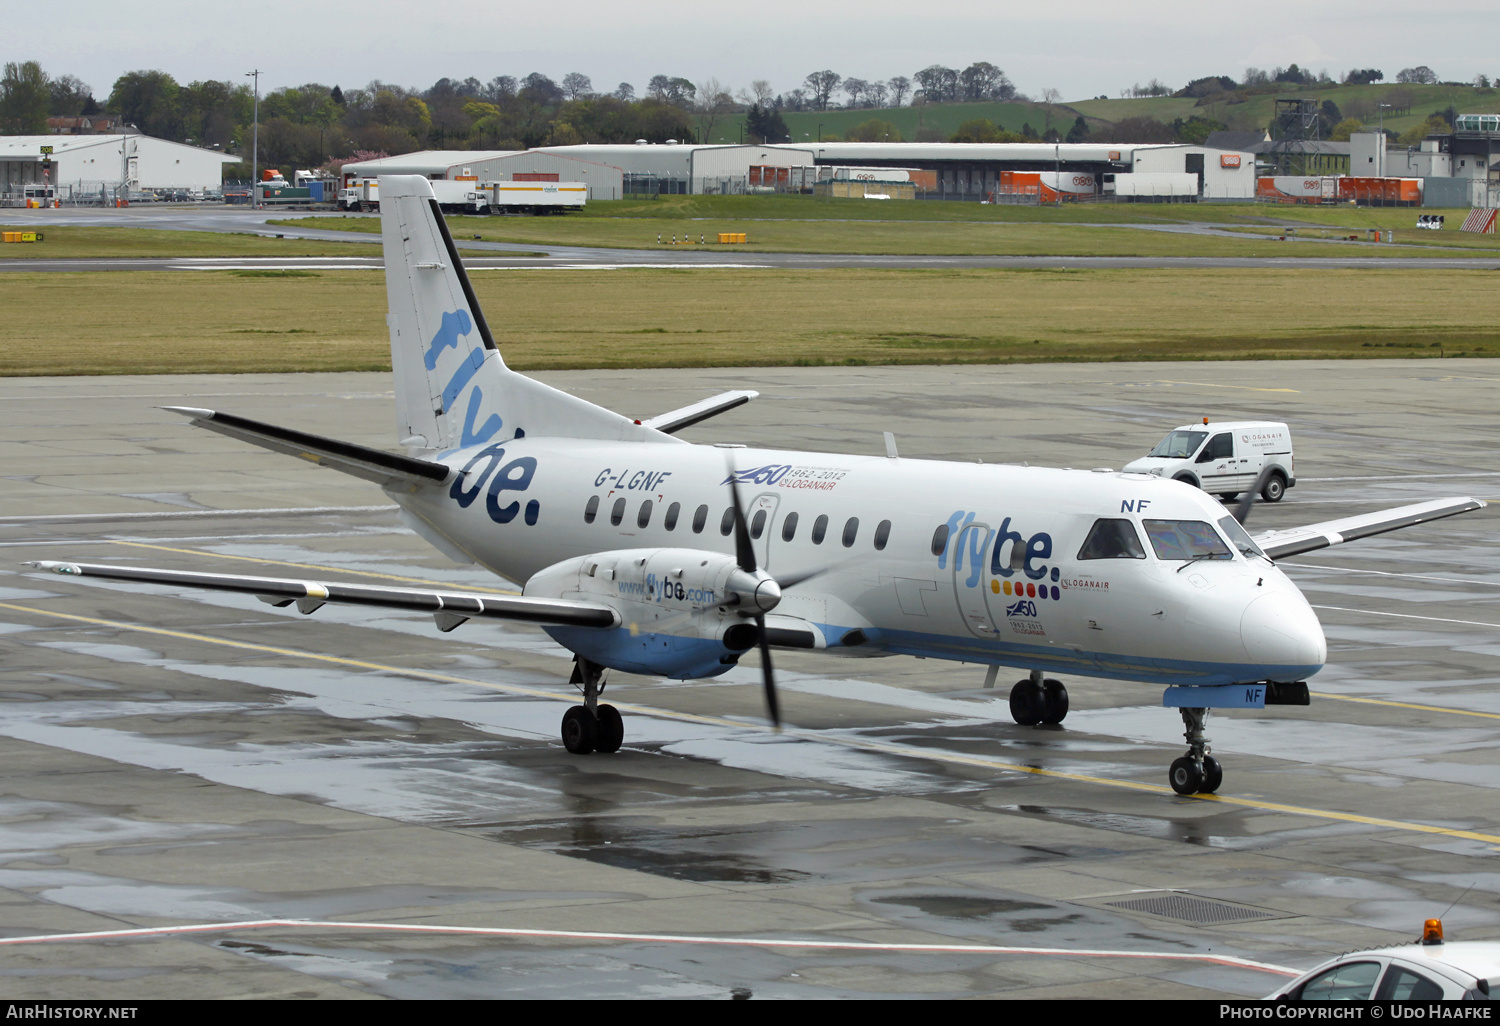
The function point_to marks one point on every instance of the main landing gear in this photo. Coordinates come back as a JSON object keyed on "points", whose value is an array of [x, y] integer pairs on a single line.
{"points": [[1197, 772], [1035, 700], [591, 727]]}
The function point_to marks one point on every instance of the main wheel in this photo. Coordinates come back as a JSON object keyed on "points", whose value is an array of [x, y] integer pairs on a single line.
{"points": [[1186, 776], [1054, 701], [1213, 775], [580, 731], [1275, 488], [611, 730], [1027, 703]]}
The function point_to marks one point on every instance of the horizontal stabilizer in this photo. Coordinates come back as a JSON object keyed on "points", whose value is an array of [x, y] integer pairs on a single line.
{"points": [[384, 468], [670, 423], [450, 608], [1290, 542]]}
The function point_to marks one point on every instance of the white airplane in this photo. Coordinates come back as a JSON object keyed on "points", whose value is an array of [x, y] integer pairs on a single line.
{"points": [[649, 555]]}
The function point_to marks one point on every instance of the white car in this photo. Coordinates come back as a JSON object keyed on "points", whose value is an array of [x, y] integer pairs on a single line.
{"points": [[1429, 970]]}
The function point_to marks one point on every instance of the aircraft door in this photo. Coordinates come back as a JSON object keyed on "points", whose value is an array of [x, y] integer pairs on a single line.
{"points": [[971, 578], [760, 518]]}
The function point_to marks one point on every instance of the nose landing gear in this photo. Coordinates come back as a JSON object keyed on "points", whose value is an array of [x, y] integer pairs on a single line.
{"points": [[591, 727], [1036, 700], [1197, 772]]}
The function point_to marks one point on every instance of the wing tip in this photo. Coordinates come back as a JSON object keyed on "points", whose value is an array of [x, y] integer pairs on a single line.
{"points": [[189, 411]]}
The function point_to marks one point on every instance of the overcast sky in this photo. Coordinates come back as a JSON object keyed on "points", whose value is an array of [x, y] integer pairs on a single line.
{"points": [[1083, 48]]}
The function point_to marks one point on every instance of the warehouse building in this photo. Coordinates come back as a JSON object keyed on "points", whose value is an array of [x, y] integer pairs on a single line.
{"points": [[973, 171], [86, 168], [604, 181], [671, 167]]}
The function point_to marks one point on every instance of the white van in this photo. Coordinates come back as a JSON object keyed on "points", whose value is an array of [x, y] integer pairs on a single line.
{"points": [[1225, 458]]}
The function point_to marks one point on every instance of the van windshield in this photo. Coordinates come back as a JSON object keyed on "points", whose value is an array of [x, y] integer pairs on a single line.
{"points": [[1179, 445]]}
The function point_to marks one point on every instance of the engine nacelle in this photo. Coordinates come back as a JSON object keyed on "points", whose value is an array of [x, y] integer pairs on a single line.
{"points": [[684, 613]]}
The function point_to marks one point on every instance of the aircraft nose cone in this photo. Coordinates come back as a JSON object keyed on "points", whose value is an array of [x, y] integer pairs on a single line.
{"points": [[1282, 635], [767, 595]]}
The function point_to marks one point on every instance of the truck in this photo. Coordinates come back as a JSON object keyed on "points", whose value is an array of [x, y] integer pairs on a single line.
{"points": [[534, 197], [360, 194]]}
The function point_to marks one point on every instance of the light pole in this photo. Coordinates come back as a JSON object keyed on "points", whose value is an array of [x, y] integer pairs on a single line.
{"points": [[255, 143]]}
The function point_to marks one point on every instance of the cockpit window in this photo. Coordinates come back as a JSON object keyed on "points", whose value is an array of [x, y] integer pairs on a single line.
{"points": [[1185, 539], [1179, 445], [1242, 540], [1112, 539]]}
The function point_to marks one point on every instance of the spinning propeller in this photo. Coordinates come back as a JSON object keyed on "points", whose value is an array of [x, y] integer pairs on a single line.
{"points": [[767, 592]]}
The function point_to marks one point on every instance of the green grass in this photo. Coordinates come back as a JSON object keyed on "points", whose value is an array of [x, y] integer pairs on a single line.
{"points": [[218, 322], [798, 224], [67, 242]]}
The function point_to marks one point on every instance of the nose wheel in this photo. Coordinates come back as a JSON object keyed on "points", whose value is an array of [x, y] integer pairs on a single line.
{"points": [[1037, 700], [591, 727], [1197, 772]]}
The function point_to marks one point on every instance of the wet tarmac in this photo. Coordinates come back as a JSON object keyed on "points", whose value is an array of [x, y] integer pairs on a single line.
{"points": [[171, 758]]}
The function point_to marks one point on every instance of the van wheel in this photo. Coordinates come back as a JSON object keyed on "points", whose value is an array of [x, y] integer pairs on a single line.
{"points": [[1187, 479], [1275, 488], [1229, 496]]}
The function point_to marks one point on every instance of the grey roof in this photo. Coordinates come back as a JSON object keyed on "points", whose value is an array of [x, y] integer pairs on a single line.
{"points": [[1243, 141]]}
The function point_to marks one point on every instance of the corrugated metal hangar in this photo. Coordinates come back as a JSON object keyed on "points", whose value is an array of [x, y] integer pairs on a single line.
{"points": [[89, 164], [973, 171]]}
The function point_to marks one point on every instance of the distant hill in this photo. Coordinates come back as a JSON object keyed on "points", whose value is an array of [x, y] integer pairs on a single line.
{"points": [[1236, 110]]}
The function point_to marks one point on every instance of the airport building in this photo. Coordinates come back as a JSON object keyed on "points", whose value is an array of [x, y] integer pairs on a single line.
{"points": [[605, 181], [86, 167]]}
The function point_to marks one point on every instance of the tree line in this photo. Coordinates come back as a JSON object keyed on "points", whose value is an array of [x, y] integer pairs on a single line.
{"points": [[317, 125]]}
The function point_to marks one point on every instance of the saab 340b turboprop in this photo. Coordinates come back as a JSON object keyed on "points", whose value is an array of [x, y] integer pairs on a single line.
{"points": [[646, 554]]}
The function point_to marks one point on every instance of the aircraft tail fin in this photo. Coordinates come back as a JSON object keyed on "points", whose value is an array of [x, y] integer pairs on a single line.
{"points": [[453, 389]]}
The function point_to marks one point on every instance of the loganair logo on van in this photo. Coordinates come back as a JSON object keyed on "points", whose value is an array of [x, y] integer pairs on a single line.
{"points": [[1260, 437]]}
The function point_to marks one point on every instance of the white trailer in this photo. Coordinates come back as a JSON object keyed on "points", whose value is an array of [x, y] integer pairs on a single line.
{"points": [[1159, 184], [535, 197]]}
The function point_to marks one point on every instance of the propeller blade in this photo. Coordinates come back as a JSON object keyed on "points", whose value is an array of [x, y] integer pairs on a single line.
{"points": [[1242, 508], [773, 708], [744, 552]]}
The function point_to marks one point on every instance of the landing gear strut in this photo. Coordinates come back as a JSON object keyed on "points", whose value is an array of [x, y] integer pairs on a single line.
{"points": [[1197, 772], [1037, 700], [591, 727]]}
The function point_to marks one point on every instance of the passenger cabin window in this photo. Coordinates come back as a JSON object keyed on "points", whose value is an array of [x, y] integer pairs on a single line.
{"points": [[617, 512], [1352, 981], [820, 528], [1185, 539], [940, 539], [1112, 539], [670, 523], [1219, 447], [591, 510], [1402, 984], [700, 517], [882, 535], [789, 527], [644, 516], [726, 522], [851, 530], [1179, 445], [758, 524]]}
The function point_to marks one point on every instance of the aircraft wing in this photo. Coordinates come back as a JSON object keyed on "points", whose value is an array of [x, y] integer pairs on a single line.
{"points": [[448, 608], [676, 420], [384, 468], [1292, 541]]}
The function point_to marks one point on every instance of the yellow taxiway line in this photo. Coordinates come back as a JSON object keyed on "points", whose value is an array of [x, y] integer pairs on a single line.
{"points": [[865, 744]]}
